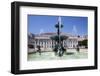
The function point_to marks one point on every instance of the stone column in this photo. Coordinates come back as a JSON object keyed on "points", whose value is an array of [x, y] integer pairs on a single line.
{"points": [[35, 44], [46, 43]]}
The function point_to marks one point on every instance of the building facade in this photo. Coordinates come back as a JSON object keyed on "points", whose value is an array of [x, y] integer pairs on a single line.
{"points": [[46, 43]]}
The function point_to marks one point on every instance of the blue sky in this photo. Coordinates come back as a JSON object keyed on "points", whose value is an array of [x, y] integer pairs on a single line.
{"points": [[72, 24]]}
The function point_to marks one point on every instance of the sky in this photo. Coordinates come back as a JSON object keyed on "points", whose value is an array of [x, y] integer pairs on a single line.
{"points": [[75, 25]]}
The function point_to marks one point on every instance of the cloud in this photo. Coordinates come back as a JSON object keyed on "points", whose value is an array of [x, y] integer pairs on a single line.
{"points": [[74, 29]]}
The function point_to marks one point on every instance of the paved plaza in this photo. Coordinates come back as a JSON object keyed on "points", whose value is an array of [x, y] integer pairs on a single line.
{"points": [[70, 54]]}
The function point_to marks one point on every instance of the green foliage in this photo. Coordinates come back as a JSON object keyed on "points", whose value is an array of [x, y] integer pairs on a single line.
{"points": [[83, 43]]}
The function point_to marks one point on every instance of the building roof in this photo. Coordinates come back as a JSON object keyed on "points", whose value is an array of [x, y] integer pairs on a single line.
{"points": [[49, 34]]}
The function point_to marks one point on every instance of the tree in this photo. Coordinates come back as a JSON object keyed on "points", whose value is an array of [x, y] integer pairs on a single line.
{"points": [[83, 43]]}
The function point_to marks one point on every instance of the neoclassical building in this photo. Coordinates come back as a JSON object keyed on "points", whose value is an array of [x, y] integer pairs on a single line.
{"points": [[46, 43]]}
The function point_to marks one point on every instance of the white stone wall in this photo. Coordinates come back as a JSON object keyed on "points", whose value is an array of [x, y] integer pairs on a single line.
{"points": [[48, 43]]}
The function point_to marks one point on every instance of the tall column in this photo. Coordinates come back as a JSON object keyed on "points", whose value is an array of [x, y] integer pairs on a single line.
{"points": [[52, 43], [35, 44], [37, 41], [46, 43]]}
